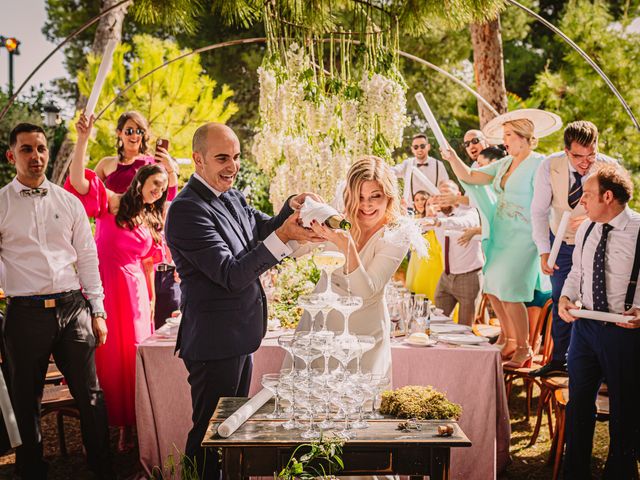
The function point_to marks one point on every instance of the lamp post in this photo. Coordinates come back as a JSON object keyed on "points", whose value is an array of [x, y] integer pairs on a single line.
{"points": [[51, 115], [11, 44]]}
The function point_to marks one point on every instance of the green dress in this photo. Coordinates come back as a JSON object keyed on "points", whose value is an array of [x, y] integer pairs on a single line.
{"points": [[512, 266]]}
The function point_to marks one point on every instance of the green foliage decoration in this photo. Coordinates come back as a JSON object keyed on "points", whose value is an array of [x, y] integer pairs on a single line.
{"points": [[423, 403], [175, 100], [319, 459], [293, 277]]}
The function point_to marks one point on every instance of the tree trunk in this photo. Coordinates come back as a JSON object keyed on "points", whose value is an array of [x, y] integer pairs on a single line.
{"points": [[488, 67], [109, 27]]}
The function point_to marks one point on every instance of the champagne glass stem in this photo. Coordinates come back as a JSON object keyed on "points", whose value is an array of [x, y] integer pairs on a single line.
{"points": [[346, 324]]}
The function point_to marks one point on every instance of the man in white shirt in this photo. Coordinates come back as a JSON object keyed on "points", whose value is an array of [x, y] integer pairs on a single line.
{"points": [[461, 281], [557, 189], [55, 302], [603, 278], [431, 168]]}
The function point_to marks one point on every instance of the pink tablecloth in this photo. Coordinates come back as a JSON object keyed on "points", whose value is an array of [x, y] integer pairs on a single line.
{"points": [[470, 377]]}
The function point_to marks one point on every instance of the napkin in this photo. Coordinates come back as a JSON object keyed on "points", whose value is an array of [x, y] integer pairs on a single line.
{"points": [[312, 210]]}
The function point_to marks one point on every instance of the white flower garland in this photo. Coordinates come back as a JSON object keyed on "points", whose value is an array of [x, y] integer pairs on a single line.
{"points": [[309, 138]]}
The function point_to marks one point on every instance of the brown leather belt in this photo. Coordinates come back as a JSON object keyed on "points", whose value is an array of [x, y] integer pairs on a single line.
{"points": [[51, 302]]}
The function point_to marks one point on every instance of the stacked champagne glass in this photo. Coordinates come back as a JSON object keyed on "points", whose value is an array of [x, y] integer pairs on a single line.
{"points": [[318, 388]]}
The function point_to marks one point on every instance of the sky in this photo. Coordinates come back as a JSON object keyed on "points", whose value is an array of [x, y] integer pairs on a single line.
{"points": [[24, 20]]}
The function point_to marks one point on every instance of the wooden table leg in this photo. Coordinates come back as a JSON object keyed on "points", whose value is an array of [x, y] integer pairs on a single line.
{"points": [[440, 464], [232, 464]]}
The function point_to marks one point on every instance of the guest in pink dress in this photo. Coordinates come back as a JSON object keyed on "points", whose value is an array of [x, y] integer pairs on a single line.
{"points": [[133, 153], [128, 237]]}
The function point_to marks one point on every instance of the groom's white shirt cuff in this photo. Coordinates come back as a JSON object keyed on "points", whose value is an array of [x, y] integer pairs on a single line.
{"points": [[277, 247]]}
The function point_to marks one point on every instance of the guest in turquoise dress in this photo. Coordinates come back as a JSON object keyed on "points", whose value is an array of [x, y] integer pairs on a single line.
{"points": [[512, 268]]}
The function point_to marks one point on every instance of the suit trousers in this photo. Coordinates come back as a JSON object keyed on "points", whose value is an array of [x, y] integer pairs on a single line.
{"points": [[462, 288], [30, 336], [560, 330], [210, 380], [600, 350]]}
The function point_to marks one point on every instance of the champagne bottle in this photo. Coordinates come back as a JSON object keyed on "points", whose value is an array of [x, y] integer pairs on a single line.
{"points": [[337, 223]]}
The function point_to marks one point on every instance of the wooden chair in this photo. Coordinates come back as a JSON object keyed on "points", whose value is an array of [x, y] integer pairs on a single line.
{"points": [[53, 377], [57, 399], [539, 318], [557, 445]]}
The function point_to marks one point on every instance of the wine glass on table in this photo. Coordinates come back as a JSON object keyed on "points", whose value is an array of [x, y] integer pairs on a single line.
{"points": [[347, 305], [365, 343], [285, 341], [329, 261], [395, 315], [271, 381], [313, 303], [379, 383]]}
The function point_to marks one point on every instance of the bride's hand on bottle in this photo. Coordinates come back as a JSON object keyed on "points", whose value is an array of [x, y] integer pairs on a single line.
{"points": [[339, 238]]}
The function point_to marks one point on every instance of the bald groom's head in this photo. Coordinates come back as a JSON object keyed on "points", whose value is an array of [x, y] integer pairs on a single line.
{"points": [[216, 153]]}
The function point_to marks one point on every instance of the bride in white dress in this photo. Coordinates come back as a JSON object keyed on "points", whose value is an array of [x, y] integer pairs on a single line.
{"points": [[373, 253]]}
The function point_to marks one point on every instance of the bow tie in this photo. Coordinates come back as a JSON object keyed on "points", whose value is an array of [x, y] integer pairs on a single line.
{"points": [[33, 192], [425, 164]]}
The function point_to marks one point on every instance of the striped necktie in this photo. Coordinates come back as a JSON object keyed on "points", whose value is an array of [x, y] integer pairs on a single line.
{"points": [[576, 191]]}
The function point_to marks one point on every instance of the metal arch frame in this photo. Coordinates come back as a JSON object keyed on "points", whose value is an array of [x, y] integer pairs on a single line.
{"points": [[263, 40], [74, 34], [582, 53]]}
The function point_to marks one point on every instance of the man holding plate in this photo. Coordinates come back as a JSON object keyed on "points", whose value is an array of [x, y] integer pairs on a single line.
{"points": [[557, 189], [604, 278]]}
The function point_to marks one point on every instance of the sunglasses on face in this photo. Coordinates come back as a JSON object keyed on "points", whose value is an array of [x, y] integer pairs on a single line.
{"points": [[473, 141], [422, 146], [130, 131]]}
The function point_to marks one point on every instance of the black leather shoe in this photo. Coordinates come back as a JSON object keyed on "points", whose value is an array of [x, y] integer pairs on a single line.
{"points": [[551, 369]]}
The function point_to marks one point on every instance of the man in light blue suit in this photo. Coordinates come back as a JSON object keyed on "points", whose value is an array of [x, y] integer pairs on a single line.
{"points": [[221, 245]]}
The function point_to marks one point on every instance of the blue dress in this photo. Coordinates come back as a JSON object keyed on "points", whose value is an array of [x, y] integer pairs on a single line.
{"points": [[512, 266]]}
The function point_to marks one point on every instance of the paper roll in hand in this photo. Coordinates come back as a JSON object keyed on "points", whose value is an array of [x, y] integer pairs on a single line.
{"points": [[241, 415], [431, 120], [103, 71], [423, 182], [601, 316], [322, 213], [557, 242]]}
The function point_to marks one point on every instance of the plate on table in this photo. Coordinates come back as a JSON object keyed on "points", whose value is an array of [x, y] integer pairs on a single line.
{"points": [[463, 339], [173, 321], [420, 340], [440, 319], [443, 328]]}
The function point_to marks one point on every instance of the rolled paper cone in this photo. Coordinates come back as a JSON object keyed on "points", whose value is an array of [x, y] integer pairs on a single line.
{"points": [[8, 414], [431, 120], [241, 415], [103, 71], [425, 182], [557, 242]]}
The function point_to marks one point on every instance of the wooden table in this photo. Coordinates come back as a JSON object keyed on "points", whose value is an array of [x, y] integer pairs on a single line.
{"points": [[262, 446]]}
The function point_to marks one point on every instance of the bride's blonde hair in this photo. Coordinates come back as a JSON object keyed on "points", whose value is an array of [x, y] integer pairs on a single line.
{"points": [[366, 169]]}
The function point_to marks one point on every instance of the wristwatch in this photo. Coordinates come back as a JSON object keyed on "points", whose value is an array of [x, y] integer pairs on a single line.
{"points": [[102, 315]]}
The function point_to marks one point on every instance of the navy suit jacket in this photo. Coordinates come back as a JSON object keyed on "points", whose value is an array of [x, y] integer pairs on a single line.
{"points": [[224, 309]]}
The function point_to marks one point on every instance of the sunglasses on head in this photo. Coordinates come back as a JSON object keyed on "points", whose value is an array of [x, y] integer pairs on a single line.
{"points": [[421, 145], [473, 141], [130, 131]]}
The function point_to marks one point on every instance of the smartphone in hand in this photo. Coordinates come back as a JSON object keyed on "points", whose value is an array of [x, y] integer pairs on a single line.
{"points": [[162, 142]]}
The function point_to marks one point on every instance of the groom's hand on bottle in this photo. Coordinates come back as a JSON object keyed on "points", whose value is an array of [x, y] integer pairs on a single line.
{"points": [[296, 202], [292, 230]]}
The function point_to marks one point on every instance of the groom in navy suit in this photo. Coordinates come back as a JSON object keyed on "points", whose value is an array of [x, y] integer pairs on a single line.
{"points": [[221, 246]]}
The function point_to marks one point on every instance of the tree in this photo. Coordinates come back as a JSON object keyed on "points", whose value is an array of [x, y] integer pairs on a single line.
{"points": [[175, 100], [488, 66], [109, 28]]}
